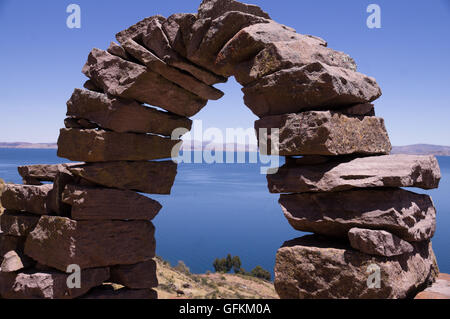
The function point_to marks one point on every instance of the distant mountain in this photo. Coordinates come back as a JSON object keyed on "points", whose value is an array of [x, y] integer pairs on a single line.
{"points": [[422, 149], [29, 145]]}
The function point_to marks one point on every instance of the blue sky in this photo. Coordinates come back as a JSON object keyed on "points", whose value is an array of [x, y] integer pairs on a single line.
{"points": [[41, 59]]}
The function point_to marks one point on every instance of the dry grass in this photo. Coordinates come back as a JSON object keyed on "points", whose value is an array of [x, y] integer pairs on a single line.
{"points": [[210, 286]]}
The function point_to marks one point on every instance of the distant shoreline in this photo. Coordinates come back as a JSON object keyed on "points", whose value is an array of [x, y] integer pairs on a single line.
{"points": [[416, 149]]}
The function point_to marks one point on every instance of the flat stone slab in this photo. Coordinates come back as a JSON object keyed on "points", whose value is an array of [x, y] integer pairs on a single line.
{"points": [[108, 292], [323, 133], [138, 276], [59, 242], [108, 204], [281, 55], [36, 174], [184, 80], [103, 146], [310, 87], [215, 8], [314, 267], [237, 54], [29, 198], [123, 115], [210, 36], [143, 176], [328, 175], [378, 242], [159, 37], [35, 284], [410, 216], [17, 224], [439, 290], [126, 79]]}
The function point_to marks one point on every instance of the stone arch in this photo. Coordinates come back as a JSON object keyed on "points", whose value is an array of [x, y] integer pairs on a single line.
{"points": [[93, 216]]}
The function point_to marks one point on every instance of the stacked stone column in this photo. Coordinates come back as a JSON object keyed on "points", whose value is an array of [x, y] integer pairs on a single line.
{"points": [[338, 182]]}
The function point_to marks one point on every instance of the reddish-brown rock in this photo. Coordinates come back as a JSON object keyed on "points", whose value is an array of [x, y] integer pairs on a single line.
{"points": [[284, 55], [29, 198], [410, 216], [322, 133], [329, 175], [311, 87], [126, 79], [104, 146], [117, 50], [146, 177], [35, 284], [42, 173], [108, 292], [108, 204], [122, 115], [158, 42], [209, 37], [215, 8], [314, 267], [59, 242], [138, 276], [378, 242], [174, 75], [17, 224]]}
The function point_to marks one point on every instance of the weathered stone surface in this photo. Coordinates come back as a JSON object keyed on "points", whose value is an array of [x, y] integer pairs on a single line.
{"points": [[313, 267], [109, 204], [49, 284], [42, 173], [299, 176], [17, 224], [285, 55], [324, 133], [138, 30], [138, 276], [14, 261], [146, 177], [29, 198], [439, 290], [157, 41], [378, 242], [59, 242], [209, 37], [117, 50], [253, 39], [126, 79], [215, 8], [410, 216], [108, 292], [311, 87], [178, 28], [103, 146], [123, 116], [174, 75], [91, 86]]}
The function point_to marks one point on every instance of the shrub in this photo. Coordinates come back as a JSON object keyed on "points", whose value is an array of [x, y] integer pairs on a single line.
{"points": [[181, 267], [261, 273]]}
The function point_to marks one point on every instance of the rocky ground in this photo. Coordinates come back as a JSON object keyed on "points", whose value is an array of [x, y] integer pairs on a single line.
{"points": [[174, 284]]}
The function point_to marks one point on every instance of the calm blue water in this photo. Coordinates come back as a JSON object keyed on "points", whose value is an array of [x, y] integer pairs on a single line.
{"points": [[225, 208]]}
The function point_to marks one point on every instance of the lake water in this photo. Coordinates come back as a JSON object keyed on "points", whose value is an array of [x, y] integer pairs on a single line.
{"points": [[226, 208]]}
